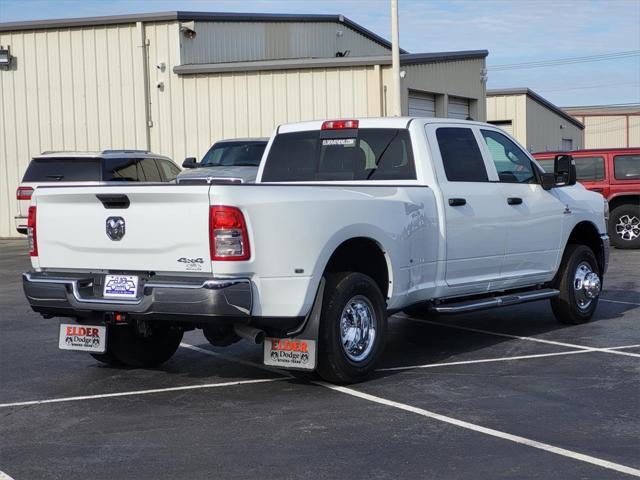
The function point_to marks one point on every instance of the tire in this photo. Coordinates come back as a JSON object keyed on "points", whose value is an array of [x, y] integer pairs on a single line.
{"points": [[220, 335], [129, 347], [576, 262], [345, 291], [624, 226]]}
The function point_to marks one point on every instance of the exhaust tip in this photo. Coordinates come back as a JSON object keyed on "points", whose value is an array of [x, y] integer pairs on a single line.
{"points": [[252, 334]]}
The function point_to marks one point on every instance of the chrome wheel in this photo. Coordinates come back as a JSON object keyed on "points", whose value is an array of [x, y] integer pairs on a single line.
{"points": [[586, 285], [628, 227], [358, 328]]}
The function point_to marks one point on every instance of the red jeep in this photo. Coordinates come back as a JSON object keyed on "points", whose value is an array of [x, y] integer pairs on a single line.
{"points": [[615, 173]]}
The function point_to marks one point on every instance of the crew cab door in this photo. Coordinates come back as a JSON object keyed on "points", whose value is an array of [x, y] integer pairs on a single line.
{"points": [[533, 216], [473, 205]]}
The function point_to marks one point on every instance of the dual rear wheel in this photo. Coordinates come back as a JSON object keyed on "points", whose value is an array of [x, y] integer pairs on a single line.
{"points": [[140, 345]]}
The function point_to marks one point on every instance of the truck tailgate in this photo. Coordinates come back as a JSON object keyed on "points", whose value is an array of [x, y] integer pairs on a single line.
{"points": [[166, 228]]}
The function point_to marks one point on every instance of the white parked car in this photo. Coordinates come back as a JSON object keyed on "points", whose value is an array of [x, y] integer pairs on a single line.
{"points": [[90, 168], [349, 221]]}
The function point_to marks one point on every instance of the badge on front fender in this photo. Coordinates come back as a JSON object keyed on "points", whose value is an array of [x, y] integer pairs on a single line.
{"points": [[292, 353]]}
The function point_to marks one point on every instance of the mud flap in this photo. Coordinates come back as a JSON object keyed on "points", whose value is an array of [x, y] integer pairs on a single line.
{"points": [[298, 351]]}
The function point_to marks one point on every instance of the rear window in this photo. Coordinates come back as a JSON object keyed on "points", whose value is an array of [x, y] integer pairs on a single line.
{"points": [[232, 154], [626, 167], [332, 155], [63, 170]]}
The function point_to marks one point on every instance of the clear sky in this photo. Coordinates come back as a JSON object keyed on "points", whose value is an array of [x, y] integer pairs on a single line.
{"points": [[514, 32]]}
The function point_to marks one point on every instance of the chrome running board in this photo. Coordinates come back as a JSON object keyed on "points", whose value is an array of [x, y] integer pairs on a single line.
{"points": [[493, 302]]}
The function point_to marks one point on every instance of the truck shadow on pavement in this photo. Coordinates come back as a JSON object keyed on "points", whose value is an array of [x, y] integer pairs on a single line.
{"points": [[413, 341]]}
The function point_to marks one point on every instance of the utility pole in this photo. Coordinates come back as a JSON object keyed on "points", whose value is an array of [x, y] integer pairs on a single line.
{"points": [[396, 102]]}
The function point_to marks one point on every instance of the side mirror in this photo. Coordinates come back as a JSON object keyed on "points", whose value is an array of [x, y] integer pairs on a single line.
{"points": [[190, 162], [564, 169]]}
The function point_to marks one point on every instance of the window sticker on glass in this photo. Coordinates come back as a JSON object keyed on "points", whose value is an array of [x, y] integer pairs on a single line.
{"points": [[346, 142]]}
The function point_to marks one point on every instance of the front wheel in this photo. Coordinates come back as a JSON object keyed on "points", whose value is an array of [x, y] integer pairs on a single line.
{"points": [[624, 226], [352, 331], [579, 284], [142, 345]]}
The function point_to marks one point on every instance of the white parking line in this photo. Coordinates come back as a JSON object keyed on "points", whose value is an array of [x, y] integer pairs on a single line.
{"points": [[139, 392], [4, 476], [623, 347], [484, 360], [518, 337], [453, 421], [487, 431], [620, 301]]}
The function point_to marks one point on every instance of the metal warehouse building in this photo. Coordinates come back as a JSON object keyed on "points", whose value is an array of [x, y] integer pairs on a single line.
{"points": [[609, 126], [534, 121], [175, 82]]}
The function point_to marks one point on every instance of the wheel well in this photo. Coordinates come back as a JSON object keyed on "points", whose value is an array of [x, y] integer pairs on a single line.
{"points": [[361, 255], [585, 233], [624, 200]]}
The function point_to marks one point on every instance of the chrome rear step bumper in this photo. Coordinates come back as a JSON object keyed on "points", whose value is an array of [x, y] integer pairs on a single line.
{"points": [[492, 302], [66, 294]]}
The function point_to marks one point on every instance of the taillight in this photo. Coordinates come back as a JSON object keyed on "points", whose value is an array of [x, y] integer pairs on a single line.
{"points": [[340, 124], [228, 234], [31, 232], [24, 193]]}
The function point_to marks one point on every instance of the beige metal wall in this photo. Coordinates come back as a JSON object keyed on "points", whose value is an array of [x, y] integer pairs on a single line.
{"points": [[71, 89], [546, 129], [461, 78], [510, 108], [220, 42], [611, 131]]}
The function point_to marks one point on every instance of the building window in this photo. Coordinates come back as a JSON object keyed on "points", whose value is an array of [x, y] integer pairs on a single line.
{"points": [[567, 144]]}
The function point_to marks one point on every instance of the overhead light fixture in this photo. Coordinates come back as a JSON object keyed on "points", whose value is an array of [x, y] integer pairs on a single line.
{"points": [[5, 57]]}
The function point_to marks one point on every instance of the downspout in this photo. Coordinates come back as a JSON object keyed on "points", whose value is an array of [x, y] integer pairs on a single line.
{"points": [[396, 98], [144, 45]]}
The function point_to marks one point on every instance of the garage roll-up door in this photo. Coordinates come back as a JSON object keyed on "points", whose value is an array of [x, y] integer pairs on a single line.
{"points": [[422, 104], [458, 108]]}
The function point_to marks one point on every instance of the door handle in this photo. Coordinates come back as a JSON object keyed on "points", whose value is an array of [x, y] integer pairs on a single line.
{"points": [[457, 202], [514, 201]]}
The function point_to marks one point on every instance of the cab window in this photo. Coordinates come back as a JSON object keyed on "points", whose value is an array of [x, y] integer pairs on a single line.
{"points": [[461, 156], [588, 169], [512, 164]]}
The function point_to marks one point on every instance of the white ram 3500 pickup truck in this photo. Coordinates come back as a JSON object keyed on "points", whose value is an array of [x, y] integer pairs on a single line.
{"points": [[349, 220]]}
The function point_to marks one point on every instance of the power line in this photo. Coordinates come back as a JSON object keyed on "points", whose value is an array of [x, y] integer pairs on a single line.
{"points": [[586, 86], [565, 61]]}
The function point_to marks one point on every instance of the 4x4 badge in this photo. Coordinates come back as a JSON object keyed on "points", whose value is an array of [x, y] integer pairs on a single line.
{"points": [[115, 228]]}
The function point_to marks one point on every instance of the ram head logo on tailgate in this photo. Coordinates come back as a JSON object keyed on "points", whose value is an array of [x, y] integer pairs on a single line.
{"points": [[115, 228]]}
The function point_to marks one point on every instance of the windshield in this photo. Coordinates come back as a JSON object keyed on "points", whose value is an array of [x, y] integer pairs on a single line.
{"points": [[234, 154]]}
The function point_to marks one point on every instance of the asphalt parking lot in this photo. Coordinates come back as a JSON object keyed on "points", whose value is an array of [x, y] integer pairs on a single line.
{"points": [[505, 393]]}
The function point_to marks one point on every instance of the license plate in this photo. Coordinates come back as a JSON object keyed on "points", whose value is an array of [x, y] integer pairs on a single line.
{"points": [[87, 338], [294, 353], [120, 286]]}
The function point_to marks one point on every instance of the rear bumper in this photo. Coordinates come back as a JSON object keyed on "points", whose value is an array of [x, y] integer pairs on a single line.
{"points": [[175, 298]]}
